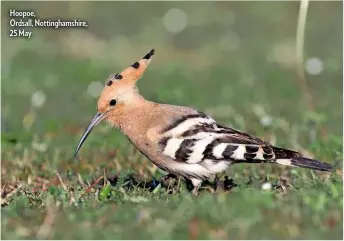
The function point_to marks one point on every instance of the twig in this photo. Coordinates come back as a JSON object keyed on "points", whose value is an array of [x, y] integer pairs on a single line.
{"points": [[63, 185], [81, 180], [49, 219], [90, 187], [5, 200], [72, 199], [3, 187], [300, 38]]}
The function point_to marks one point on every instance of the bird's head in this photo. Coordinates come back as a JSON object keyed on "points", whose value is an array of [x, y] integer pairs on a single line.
{"points": [[119, 94]]}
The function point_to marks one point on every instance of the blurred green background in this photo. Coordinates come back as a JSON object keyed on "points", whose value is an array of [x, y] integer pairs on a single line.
{"points": [[235, 61]]}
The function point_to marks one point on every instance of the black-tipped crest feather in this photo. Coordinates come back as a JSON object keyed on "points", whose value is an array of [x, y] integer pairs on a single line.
{"points": [[149, 55]]}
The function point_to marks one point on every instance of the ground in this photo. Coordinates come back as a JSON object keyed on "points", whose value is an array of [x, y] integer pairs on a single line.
{"points": [[111, 191]]}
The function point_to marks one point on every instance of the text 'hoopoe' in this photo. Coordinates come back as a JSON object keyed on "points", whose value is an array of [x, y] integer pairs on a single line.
{"points": [[181, 140]]}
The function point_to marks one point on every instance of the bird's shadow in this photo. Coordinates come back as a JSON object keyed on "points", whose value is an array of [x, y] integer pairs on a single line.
{"points": [[170, 182]]}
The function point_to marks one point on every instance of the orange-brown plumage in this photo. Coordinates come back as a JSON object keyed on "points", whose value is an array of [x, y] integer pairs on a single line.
{"points": [[182, 140]]}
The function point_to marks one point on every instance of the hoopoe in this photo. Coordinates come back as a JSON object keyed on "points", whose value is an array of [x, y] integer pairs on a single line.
{"points": [[180, 140]]}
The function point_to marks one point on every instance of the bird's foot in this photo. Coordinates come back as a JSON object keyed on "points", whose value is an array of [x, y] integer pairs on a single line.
{"points": [[225, 185], [169, 181], [195, 192], [197, 184]]}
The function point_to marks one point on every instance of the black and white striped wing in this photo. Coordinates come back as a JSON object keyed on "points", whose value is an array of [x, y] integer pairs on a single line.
{"points": [[197, 138]]}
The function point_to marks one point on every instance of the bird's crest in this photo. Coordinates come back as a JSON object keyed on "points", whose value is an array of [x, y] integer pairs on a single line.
{"points": [[121, 87], [134, 72]]}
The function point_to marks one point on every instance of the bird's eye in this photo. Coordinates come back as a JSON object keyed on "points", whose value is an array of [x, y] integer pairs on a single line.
{"points": [[112, 102]]}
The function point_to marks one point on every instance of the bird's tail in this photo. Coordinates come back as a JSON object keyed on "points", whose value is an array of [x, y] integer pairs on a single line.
{"points": [[290, 158], [306, 163]]}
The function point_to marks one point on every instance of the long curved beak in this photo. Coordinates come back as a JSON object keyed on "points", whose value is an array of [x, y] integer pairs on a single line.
{"points": [[96, 119]]}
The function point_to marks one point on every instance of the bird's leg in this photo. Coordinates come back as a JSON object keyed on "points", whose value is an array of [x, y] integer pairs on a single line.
{"points": [[196, 183], [219, 186]]}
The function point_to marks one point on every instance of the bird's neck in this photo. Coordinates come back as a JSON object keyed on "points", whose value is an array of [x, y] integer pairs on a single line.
{"points": [[134, 119]]}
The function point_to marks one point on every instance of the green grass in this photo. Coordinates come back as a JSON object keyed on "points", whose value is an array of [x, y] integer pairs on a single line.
{"points": [[49, 195], [299, 206]]}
